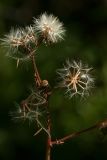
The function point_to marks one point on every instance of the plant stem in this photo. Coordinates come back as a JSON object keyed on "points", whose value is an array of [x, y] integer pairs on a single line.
{"points": [[36, 73], [99, 125], [48, 149], [38, 84]]}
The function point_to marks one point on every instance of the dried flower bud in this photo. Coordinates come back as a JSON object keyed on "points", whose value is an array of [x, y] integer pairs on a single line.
{"points": [[49, 27], [76, 78], [45, 83]]}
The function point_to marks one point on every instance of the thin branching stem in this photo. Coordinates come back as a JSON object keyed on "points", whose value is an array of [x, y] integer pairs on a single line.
{"points": [[36, 73], [38, 84], [99, 125], [48, 148]]}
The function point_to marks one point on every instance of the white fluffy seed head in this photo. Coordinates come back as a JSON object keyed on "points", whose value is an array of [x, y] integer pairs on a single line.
{"points": [[49, 27], [76, 78], [19, 37], [29, 35], [13, 39], [20, 42]]}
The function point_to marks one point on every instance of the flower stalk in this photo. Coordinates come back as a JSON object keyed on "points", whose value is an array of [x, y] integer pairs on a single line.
{"points": [[99, 125], [48, 148], [36, 73]]}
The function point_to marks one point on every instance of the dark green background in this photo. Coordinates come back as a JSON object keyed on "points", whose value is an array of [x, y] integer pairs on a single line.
{"points": [[86, 39]]}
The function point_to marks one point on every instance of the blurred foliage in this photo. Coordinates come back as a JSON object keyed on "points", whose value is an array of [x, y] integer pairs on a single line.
{"points": [[86, 38]]}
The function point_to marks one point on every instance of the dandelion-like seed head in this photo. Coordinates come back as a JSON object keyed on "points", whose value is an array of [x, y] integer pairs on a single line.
{"points": [[14, 39], [76, 78], [32, 110], [49, 27], [29, 35], [20, 43], [19, 37]]}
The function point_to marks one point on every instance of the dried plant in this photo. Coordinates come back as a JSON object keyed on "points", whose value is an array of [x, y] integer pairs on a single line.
{"points": [[76, 78], [21, 44]]}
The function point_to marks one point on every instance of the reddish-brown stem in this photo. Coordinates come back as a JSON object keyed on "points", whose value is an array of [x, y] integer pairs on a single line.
{"points": [[48, 148], [36, 73], [70, 136], [99, 125]]}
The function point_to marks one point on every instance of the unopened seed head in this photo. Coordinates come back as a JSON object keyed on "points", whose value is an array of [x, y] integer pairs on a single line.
{"points": [[45, 83]]}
